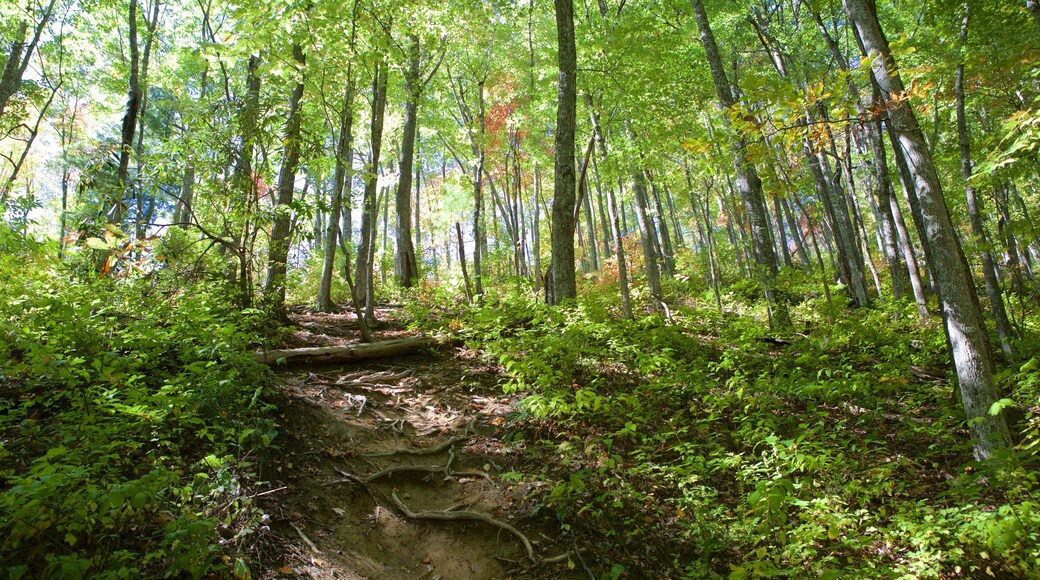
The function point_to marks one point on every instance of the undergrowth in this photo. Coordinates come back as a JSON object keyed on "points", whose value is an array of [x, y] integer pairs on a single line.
{"points": [[132, 420], [704, 447]]}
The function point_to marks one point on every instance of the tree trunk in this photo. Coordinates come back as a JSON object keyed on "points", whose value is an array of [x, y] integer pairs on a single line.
{"points": [[354, 352], [748, 183], [964, 322], [21, 54], [667, 253], [989, 270], [887, 224], [615, 225], [341, 180], [281, 232], [564, 282], [370, 209], [406, 267], [650, 255], [909, 258], [133, 107]]}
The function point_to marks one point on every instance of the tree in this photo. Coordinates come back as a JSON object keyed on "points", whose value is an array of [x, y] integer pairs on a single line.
{"points": [[281, 232], [749, 185], [970, 346], [21, 53], [342, 175], [562, 284]]}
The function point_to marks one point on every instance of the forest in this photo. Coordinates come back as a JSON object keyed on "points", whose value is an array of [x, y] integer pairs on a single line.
{"points": [[519, 289]]}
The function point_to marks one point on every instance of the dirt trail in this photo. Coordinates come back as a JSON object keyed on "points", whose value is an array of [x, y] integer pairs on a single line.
{"points": [[363, 449]]}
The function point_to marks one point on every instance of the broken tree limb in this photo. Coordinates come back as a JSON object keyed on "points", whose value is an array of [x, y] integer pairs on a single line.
{"points": [[353, 352], [465, 515]]}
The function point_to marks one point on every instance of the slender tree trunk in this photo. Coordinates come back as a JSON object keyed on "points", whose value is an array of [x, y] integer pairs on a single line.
{"points": [[989, 271], [21, 54], [281, 232], [146, 57], [619, 240], [796, 232], [667, 253], [748, 183], [341, 180], [370, 208], [964, 322], [650, 255], [910, 258], [133, 107], [886, 223], [244, 182]]}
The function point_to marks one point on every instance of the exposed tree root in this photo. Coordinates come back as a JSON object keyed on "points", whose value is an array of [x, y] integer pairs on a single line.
{"points": [[465, 515], [466, 435], [304, 537]]}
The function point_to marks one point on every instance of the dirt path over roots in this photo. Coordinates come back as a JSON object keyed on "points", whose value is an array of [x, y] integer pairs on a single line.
{"points": [[392, 469]]}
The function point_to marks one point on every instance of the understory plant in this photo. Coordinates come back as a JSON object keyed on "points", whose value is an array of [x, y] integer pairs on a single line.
{"points": [[133, 419], [706, 445]]}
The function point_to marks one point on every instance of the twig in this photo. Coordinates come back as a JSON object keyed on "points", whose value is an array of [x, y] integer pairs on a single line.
{"points": [[270, 491], [465, 515], [304, 537]]}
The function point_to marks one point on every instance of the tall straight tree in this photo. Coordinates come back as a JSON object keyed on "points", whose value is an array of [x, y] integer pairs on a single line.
{"points": [[370, 204], [405, 266], [281, 231], [989, 268], [342, 176], [749, 185], [133, 108], [964, 323], [562, 284]]}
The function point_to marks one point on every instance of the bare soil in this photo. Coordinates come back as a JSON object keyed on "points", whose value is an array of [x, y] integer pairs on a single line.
{"points": [[362, 449]]}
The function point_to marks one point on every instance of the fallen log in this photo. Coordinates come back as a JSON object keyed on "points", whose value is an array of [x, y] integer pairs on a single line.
{"points": [[353, 352]]}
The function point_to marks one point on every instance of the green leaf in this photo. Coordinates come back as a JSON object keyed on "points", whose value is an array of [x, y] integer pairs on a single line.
{"points": [[998, 406]]}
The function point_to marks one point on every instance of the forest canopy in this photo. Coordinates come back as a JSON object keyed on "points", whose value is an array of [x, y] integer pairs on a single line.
{"points": [[751, 271]]}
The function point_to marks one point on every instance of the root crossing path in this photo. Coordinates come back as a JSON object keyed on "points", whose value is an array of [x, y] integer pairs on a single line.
{"points": [[392, 469]]}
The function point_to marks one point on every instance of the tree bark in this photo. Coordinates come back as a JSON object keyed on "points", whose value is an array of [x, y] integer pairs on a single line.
{"points": [[354, 352], [341, 180], [20, 55], [653, 272], [989, 271], [748, 183], [281, 231], [564, 282], [133, 107], [964, 322], [370, 205], [406, 267]]}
